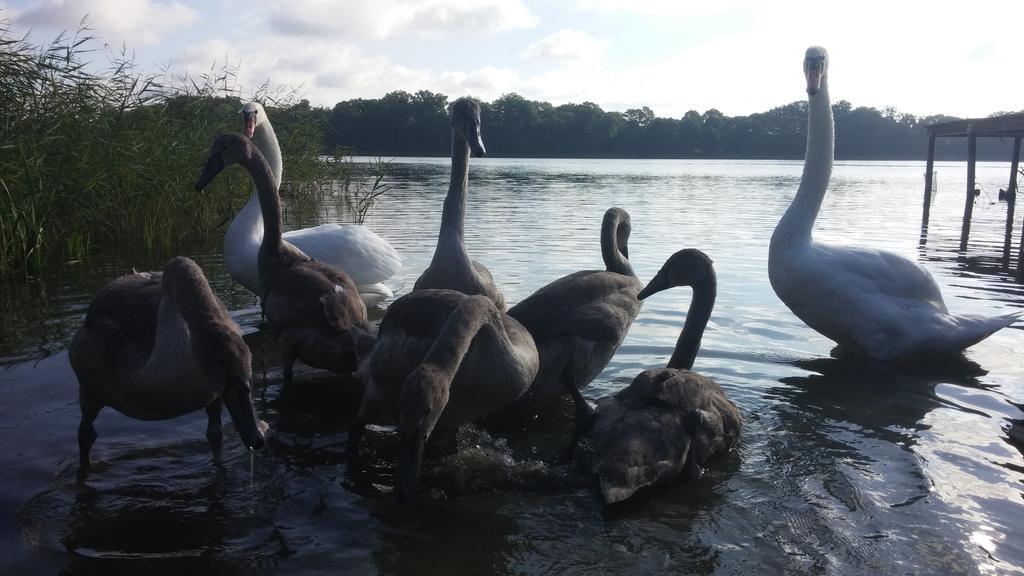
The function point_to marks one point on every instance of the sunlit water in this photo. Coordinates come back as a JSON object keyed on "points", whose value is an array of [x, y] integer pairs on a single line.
{"points": [[844, 468]]}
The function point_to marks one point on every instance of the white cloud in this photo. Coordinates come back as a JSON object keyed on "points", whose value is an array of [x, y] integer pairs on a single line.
{"points": [[329, 71], [390, 18], [662, 8], [568, 46], [135, 23], [488, 82]]}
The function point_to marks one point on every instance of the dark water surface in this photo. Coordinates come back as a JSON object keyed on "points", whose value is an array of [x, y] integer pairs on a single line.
{"points": [[844, 468]]}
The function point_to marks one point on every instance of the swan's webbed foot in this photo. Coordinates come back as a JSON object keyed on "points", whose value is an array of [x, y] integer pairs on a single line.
{"points": [[214, 434]]}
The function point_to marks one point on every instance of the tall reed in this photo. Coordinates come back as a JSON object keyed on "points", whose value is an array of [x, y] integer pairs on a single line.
{"points": [[97, 155]]}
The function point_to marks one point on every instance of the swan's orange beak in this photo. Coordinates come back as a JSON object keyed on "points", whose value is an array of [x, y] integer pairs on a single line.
{"points": [[249, 123], [814, 69], [813, 82]]}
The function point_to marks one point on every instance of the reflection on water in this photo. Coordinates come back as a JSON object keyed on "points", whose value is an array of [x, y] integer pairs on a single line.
{"points": [[844, 467]]}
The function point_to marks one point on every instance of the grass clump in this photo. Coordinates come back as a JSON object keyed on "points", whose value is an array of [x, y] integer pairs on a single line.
{"points": [[108, 155]]}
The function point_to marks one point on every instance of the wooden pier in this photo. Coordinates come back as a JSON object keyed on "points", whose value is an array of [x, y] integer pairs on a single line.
{"points": [[1008, 126]]}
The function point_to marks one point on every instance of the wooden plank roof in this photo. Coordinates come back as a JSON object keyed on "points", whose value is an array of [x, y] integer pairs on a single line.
{"points": [[1008, 125]]}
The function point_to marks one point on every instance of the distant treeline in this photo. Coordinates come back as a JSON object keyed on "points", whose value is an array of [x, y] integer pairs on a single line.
{"points": [[404, 124], [97, 156]]}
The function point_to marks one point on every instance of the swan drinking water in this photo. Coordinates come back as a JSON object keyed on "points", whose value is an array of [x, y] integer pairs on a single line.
{"points": [[877, 303], [442, 358], [366, 257], [157, 345]]}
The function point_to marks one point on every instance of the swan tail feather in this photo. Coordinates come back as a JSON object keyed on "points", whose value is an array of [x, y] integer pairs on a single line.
{"points": [[973, 329], [373, 294]]}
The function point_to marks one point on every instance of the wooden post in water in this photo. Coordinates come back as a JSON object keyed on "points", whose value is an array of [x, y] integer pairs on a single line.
{"points": [[972, 156], [928, 176], [1011, 200]]}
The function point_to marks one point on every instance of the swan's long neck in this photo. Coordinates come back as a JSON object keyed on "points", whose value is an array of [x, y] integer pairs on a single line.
{"points": [[273, 253], [265, 139], [454, 339], [266, 188], [173, 379], [795, 227], [614, 251], [244, 235], [697, 317], [454, 215]]}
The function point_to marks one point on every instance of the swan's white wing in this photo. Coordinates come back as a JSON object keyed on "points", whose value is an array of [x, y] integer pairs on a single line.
{"points": [[884, 304], [364, 256], [883, 274]]}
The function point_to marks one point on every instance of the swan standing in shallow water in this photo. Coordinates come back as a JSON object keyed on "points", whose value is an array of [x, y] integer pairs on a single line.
{"points": [[668, 421], [579, 320], [366, 257], [313, 309], [451, 267], [157, 345], [877, 303], [442, 358]]}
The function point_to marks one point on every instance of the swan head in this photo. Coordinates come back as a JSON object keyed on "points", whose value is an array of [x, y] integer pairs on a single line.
{"points": [[233, 359], [253, 115], [815, 68], [423, 399], [465, 121], [227, 149], [687, 267], [237, 397]]}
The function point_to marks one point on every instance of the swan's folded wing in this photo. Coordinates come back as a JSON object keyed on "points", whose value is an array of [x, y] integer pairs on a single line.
{"points": [[316, 293], [355, 249], [877, 273], [593, 304]]}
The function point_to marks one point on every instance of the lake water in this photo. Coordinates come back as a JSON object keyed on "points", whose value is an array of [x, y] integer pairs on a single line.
{"points": [[843, 468]]}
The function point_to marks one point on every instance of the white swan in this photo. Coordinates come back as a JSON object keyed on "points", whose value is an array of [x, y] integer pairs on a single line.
{"points": [[158, 345], [366, 257], [875, 302]]}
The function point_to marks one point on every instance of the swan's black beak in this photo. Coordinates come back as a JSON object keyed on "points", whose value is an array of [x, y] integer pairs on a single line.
{"points": [[476, 143], [237, 398], [214, 166], [657, 284]]}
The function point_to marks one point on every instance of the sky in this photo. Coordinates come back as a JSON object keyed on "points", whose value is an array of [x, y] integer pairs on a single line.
{"points": [[739, 56]]}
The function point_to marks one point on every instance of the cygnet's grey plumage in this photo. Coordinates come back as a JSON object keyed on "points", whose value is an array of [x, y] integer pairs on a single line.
{"points": [[669, 421], [313, 309], [157, 345], [442, 358], [579, 320]]}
